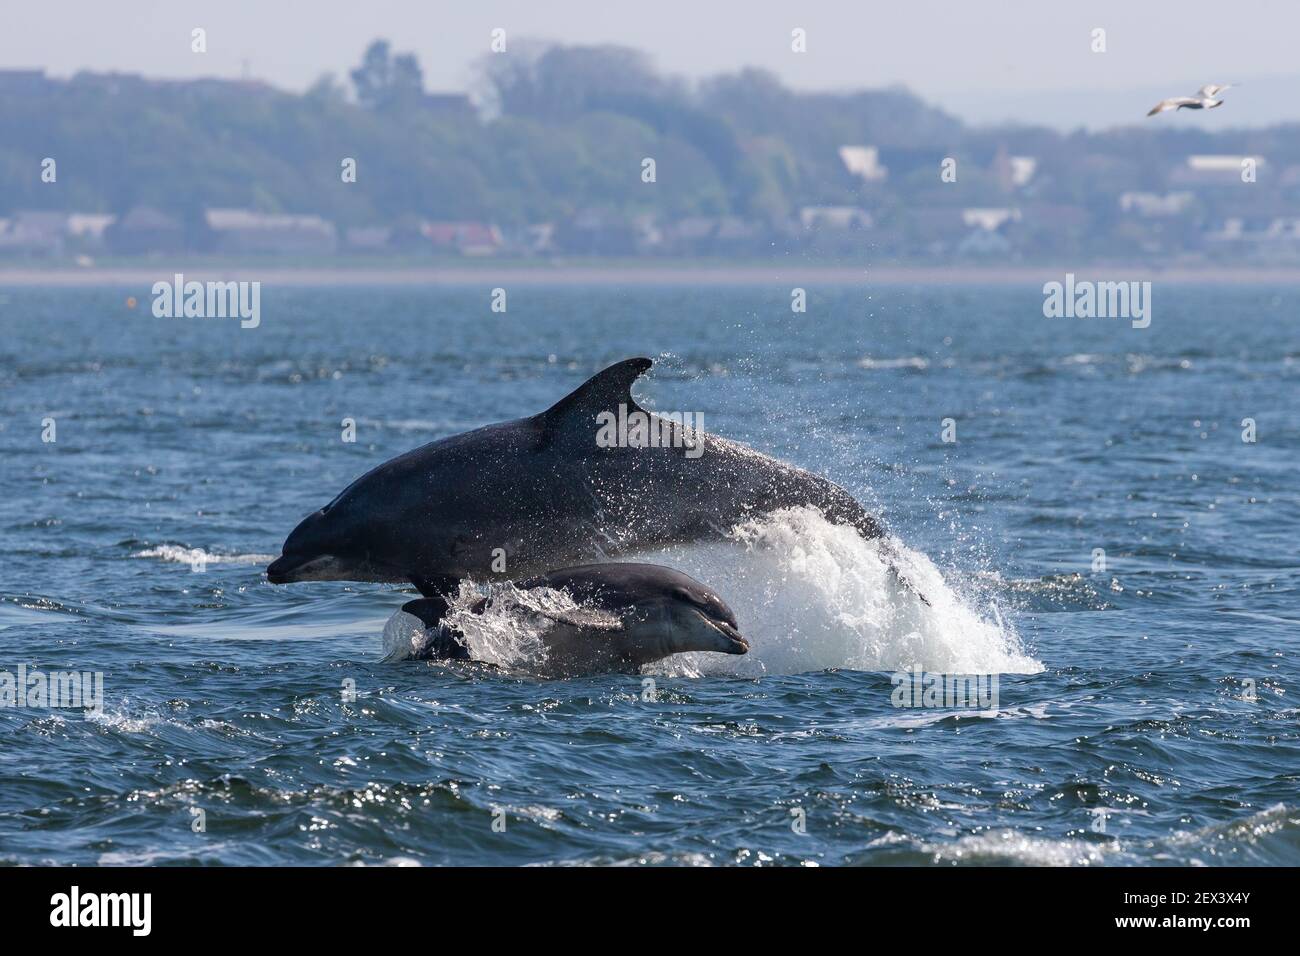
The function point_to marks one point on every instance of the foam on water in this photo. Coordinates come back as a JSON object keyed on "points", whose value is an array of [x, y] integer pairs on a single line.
{"points": [[178, 554], [811, 595], [1260, 838], [911, 361], [808, 594]]}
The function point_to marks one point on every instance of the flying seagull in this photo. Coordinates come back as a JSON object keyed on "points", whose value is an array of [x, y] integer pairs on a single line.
{"points": [[1203, 100]]}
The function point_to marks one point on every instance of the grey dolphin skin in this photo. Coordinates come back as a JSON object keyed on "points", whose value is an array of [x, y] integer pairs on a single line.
{"points": [[651, 612], [548, 494]]}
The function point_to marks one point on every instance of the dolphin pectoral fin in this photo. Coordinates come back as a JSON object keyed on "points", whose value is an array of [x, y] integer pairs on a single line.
{"points": [[848, 511], [437, 586], [888, 552], [603, 392], [583, 619], [842, 508], [907, 585]]}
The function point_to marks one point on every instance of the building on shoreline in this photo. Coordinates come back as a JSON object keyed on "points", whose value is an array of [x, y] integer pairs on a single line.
{"points": [[244, 231]]}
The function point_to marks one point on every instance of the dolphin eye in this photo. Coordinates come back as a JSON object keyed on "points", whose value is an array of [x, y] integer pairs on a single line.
{"points": [[704, 601], [717, 608]]}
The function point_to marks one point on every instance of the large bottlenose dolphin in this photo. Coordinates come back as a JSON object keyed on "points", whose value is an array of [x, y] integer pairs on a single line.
{"points": [[549, 491], [626, 615]]}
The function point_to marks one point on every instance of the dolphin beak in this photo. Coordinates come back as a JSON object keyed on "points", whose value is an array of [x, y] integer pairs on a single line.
{"points": [[281, 570], [735, 641]]}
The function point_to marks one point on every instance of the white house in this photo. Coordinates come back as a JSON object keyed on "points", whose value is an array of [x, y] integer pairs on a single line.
{"points": [[834, 217], [863, 162], [989, 219]]}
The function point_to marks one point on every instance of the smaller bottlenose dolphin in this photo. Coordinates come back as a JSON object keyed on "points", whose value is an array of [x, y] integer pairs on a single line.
{"points": [[627, 615]]}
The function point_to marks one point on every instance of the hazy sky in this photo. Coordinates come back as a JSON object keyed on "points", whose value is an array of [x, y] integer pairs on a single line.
{"points": [[988, 59]]}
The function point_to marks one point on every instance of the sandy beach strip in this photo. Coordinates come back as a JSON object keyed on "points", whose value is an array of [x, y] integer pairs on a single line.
{"points": [[503, 274]]}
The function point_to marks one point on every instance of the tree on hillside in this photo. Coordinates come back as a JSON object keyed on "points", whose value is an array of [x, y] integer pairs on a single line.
{"points": [[544, 81], [383, 80]]}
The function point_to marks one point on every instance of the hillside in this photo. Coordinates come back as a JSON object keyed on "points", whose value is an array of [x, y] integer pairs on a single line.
{"points": [[557, 136]]}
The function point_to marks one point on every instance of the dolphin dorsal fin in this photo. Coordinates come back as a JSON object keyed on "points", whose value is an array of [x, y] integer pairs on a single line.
{"points": [[603, 392]]}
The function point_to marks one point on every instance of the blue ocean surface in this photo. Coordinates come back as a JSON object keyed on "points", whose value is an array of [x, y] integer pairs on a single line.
{"points": [[1099, 536]]}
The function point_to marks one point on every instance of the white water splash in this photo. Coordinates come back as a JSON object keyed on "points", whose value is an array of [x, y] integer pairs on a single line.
{"points": [[509, 632], [808, 594], [811, 595], [404, 637]]}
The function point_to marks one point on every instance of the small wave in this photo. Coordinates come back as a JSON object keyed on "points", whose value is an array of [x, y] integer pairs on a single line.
{"points": [[911, 361], [178, 554], [1010, 847], [1083, 358], [1072, 589], [405, 424], [122, 722], [1268, 837], [16, 610], [398, 861]]}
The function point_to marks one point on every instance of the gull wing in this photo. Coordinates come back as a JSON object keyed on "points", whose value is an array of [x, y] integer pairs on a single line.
{"points": [[1172, 104], [1211, 90]]}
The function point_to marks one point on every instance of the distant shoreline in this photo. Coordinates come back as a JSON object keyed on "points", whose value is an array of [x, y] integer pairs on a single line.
{"points": [[506, 273]]}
